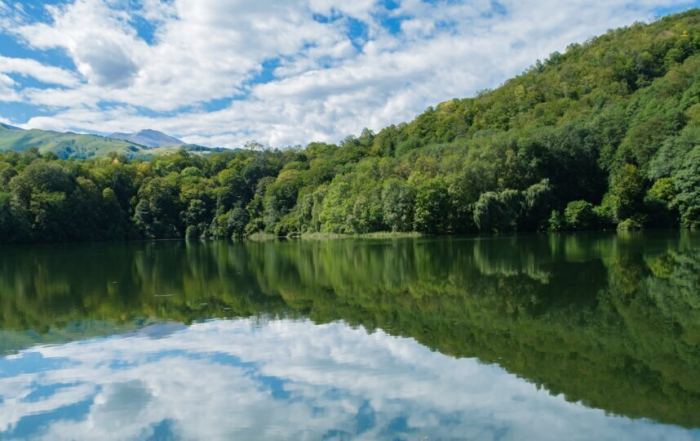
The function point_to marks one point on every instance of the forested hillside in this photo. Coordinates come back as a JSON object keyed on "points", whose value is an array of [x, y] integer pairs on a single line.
{"points": [[605, 135]]}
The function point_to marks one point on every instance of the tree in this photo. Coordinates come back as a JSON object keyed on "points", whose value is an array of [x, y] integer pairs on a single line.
{"points": [[196, 217], [367, 212], [39, 201], [687, 180], [281, 196], [537, 206], [626, 193], [498, 212], [9, 229], [232, 190], [238, 220], [658, 202], [397, 200], [85, 199], [337, 208], [157, 212], [432, 206], [556, 221], [580, 215], [113, 216]]}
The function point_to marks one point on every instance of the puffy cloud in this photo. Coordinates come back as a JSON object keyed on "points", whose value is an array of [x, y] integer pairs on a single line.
{"points": [[7, 91], [203, 49], [96, 36], [222, 73], [41, 72]]}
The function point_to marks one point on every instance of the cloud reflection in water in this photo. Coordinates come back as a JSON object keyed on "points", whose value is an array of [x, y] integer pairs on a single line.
{"points": [[283, 379]]}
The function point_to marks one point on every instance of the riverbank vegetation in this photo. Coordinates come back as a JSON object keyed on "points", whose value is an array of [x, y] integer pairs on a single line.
{"points": [[605, 135]]}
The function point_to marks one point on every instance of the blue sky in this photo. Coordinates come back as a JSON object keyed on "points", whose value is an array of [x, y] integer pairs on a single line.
{"points": [[281, 72]]}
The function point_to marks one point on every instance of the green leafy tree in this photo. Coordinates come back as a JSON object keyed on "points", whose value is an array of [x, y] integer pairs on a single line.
{"points": [[432, 206], [113, 216], [157, 212], [687, 180], [659, 204], [626, 193], [498, 212], [580, 215], [537, 207], [238, 220], [398, 205]]}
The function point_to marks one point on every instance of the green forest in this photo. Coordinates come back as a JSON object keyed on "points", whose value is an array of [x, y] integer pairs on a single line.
{"points": [[604, 135]]}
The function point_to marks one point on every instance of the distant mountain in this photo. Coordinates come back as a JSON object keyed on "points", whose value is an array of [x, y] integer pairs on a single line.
{"points": [[79, 146], [148, 138], [65, 145]]}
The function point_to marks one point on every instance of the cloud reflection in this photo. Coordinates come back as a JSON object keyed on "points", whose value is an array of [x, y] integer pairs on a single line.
{"points": [[282, 379]]}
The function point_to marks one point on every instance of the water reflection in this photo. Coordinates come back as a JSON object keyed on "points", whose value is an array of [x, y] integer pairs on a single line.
{"points": [[284, 380], [542, 337]]}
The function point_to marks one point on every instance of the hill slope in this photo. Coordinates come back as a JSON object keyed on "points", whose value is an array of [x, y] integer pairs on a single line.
{"points": [[606, 135], [81, 146], [65, 145], [148, 138], [612, 126]]}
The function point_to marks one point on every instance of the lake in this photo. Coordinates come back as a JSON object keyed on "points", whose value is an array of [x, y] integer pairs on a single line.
{"points": [[541, 337]]}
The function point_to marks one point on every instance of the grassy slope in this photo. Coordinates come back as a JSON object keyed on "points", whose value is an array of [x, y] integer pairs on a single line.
{"points": [[191, 148], [80, 146], [65, 145]]}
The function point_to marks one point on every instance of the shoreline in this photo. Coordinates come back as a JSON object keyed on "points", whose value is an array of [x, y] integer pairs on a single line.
{"points": [[262, 237]]}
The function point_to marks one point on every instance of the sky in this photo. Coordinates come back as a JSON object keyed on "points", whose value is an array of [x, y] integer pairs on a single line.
{"points": [[280, 72]]}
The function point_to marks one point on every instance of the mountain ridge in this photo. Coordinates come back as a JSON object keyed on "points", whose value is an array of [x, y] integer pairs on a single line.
{"points": [[148, 138], [70, 145]]}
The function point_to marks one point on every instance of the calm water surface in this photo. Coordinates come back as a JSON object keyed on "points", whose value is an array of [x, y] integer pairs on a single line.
{"points": [[592, 336]]}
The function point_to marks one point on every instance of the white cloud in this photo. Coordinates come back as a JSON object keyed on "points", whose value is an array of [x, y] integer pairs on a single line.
{"points": [[324, 88], [7, 91], [288, 380], [43, 73], [97, 38]]}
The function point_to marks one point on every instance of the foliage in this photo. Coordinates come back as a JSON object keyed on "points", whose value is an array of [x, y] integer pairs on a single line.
{"points": [[629, 225], [626, 192], [580, 215], [497, 212]]}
